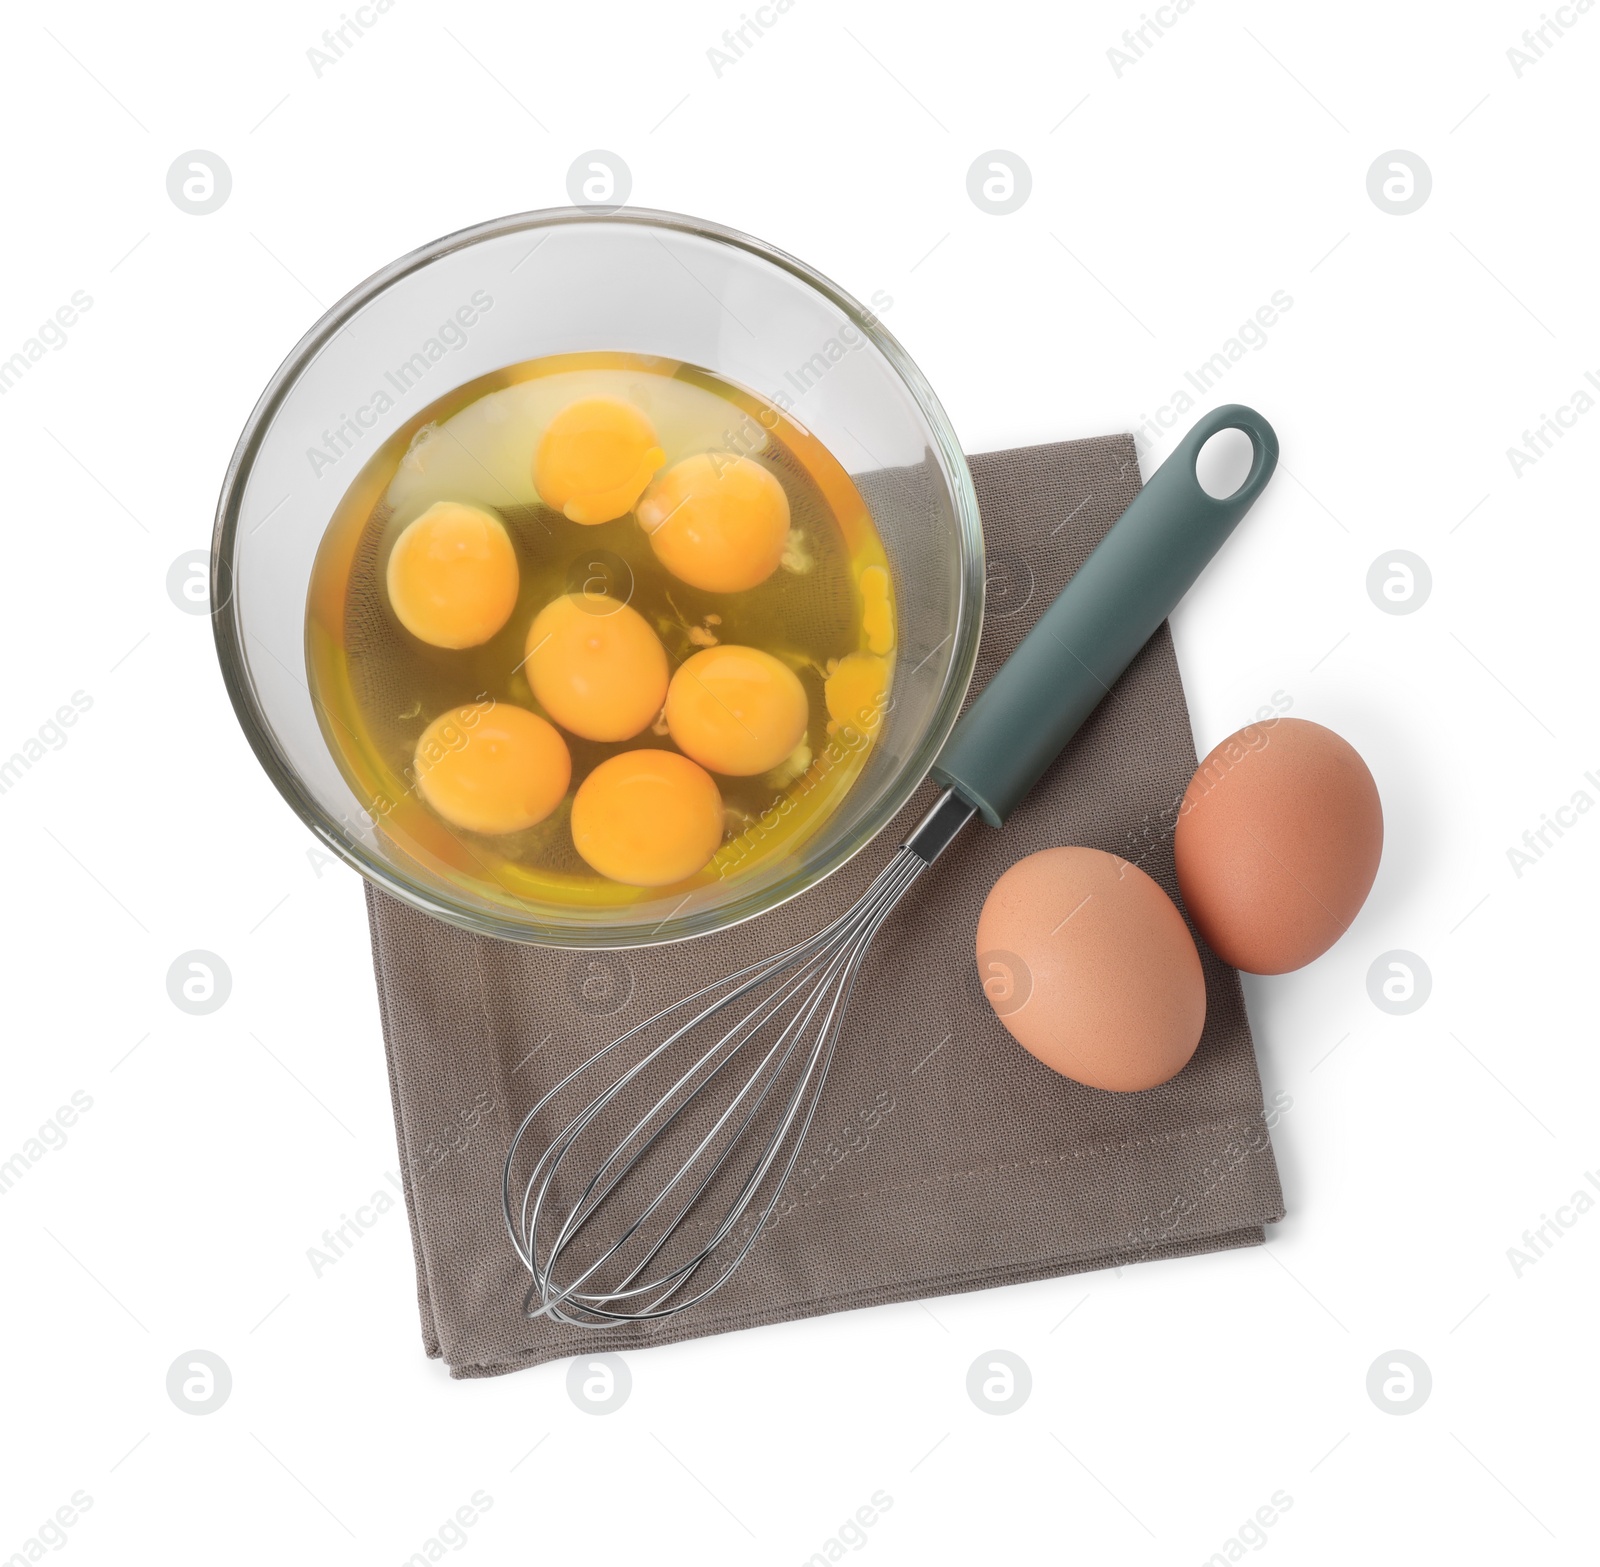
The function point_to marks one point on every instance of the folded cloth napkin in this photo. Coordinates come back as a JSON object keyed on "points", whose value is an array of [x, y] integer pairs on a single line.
{"points": [[943, 1156]]}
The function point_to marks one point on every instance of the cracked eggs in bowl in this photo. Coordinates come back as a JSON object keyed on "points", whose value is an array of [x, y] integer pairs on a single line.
{"points": [[635, 595]]}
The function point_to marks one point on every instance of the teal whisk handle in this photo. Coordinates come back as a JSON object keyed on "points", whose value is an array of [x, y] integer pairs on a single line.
{"points": [[1132, 581]]}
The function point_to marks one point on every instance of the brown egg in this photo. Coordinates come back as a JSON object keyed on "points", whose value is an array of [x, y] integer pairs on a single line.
{"points": [[1090, 966], [1278, 842]]}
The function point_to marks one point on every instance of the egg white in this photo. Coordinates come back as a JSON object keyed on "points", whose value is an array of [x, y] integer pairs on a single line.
{"points": [[484, 454]]}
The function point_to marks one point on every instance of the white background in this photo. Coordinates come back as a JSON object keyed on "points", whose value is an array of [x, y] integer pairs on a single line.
{"points": [[1169, 1401]]}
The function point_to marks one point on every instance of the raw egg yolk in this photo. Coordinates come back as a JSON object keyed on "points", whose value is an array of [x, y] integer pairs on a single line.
{"points": [[857, 692], [492, 768], [452, 576], [717, 521], [596, 667], [736, 710], [595, 458], [647, 818]]}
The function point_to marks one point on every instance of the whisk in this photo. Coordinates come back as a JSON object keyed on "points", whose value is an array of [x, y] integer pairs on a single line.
{"points": [[688, 1127]]}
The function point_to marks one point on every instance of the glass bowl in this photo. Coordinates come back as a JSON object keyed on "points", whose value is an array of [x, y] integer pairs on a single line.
{"points": [[572, 281]]}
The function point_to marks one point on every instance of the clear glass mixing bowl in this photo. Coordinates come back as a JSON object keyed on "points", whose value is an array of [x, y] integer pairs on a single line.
{"points": [[575, 280]]}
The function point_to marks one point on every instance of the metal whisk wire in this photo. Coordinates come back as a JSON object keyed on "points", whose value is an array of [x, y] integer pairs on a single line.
{"points": [[815, 979]]}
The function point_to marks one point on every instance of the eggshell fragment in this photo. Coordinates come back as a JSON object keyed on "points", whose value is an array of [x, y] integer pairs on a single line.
{"points": [[1089, 965], [1277, 844]]}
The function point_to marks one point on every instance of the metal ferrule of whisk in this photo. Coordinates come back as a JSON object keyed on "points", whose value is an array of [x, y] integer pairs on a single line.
{"points": [[673, 1144]]}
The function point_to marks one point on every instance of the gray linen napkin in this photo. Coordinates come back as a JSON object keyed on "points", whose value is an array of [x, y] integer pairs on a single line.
{"points": [[944, 1157]]}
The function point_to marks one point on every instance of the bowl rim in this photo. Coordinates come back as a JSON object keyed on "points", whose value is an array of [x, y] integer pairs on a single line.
{"points": [[380, 873]]}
